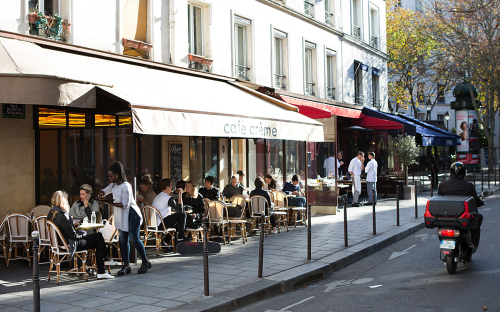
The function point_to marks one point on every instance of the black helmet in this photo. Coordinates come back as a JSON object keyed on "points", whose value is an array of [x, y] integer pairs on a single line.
{"points": [[457, 170]]}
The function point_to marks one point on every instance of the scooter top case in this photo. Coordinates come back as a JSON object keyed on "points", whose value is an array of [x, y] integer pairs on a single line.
{"points": [[451, 211]]}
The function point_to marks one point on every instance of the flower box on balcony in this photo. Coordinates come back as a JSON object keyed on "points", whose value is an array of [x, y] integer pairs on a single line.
{"points": [[135, 44], [52, 27], [200, 59]]}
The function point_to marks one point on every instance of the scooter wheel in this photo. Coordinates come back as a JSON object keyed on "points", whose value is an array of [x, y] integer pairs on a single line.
{"points": [[451, 265]]}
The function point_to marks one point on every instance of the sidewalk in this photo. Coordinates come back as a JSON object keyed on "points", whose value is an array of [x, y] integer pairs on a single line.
{"points": [[176, 282]]}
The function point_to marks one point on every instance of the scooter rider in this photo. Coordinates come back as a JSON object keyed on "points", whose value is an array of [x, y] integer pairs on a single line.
{"points": [[458, 186]]}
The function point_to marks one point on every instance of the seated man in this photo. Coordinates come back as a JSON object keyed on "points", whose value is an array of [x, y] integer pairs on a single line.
{"points": [[293, 188], [209, 192], [259, 184], [164, 203], [233, 188], [456, 185]]}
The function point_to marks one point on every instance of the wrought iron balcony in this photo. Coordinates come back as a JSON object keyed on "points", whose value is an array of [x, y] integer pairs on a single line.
{"points": [[310, 89], [309, 8], [359, 99], [329, 18], [376, 103], [330, 93], [374, 42], [279, 81], [356, 31], [241, 72]]}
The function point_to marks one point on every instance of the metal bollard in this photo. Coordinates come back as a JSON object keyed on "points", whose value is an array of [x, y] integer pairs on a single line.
{"points": [[36, 275], [261, 244], [397, 205], [495, 173], [416, 207], [205, 257], [374, 219], [482, 180], [488, 172], [474, 177], [309, 232], [432, 184], [345, 221]]}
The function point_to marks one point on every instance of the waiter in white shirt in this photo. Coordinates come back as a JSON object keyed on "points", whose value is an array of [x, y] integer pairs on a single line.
{"points": [[371, 178], [329, 165], [355, 168]]}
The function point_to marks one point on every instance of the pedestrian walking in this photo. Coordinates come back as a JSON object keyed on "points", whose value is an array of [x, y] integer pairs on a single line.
{"points": [[371, 178], [355, 167]]}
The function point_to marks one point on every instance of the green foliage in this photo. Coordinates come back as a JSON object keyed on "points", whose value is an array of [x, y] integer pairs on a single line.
{"points": [[483, 140], [406, 149]]}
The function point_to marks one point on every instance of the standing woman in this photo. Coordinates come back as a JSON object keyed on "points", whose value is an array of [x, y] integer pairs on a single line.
{"points": [[128, 217], [194, 199]]}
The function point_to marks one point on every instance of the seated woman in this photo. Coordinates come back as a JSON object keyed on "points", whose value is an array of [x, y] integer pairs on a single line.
{"points": [[271, 184], [146, 194], [192, 198], [259, 183], [77, 241], [85, 205], [179, 185]]}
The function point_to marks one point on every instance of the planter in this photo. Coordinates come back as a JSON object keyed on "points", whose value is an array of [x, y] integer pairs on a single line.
{"points": [[131, 43], [32, 18], [66, 26], [408, 192], [200, 59], [146, 46]]}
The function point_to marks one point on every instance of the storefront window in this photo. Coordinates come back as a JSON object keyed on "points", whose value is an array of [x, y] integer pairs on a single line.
{"points": [[71, 160], [211, 159], [275, 159], [295, 164], [76, 120], [48, 165], [105, 120], [51, 118], [239, 156], [256, 160], [196, 160]]}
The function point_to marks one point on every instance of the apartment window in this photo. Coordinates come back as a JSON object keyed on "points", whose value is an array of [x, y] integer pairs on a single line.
{"points": [[309, 67], [374, 29], [399, 3], [421, 116], [356, 19], [420, 92], [375, 88], [440, 93], [330, 74], [440, 117], [330, 12], [358, 82], [195, 29], [280, 59], [309, 8], [48, 7], [418, 5], [242, 44]]}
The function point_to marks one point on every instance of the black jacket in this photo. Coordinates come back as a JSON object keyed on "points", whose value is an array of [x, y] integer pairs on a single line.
{"points": [[212, 193], [197, 203], [261, 192], [64, 222], [456, 186], [230, 190]]}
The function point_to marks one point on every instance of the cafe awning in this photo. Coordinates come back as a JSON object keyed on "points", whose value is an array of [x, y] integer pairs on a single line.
{"points": [[305, 107], [430, 137], [375, 123], [161, 102]]}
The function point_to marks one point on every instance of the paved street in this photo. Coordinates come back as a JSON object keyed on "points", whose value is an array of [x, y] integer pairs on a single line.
{"points": [[176, 282], [407, 276]]}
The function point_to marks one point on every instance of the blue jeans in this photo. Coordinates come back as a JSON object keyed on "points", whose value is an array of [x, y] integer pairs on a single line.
{"points": [[134, 229], [297, 202]]}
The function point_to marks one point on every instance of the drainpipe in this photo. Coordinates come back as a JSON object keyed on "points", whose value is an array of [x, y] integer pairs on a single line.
{"points": [[171, 31], [118, 32]]}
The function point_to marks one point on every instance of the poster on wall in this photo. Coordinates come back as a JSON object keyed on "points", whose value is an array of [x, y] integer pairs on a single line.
{"points": [[462, 129], [474, 159], [463, 158], [473, 132]]}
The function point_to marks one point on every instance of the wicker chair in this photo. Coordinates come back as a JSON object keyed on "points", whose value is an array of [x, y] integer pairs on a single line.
{"points": [[258, 205], [38, 211], [18, 226], [3, 236], [217, 217], [197, 234], [41, 227], [60, 252], [154, 230], [240, 224], [113, 240]]}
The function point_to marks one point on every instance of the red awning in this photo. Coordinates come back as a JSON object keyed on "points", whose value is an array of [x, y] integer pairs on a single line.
{"points": [[376, 123], [313, 108]]}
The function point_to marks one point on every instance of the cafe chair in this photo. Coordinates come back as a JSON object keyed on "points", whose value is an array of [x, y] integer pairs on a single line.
{"points": [[258, 205], [3, 236], [154, 230], [38, 211], [294, 213], [60, 252], [278, 198], [41, 227], [217, 218], [113, 241], [240, 224], [18, 226], [197, 234], [238, 200]]}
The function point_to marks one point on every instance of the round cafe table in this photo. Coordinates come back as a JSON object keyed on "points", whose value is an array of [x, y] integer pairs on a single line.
{"points": [[90, 226]]}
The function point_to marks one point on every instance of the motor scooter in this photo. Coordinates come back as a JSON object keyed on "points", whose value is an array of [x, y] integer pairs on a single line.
{"points": [[453, 216]]}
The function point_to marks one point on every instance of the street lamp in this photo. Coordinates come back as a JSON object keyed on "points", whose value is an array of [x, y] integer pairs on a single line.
{"points": [[447, 117], [429, 108]]}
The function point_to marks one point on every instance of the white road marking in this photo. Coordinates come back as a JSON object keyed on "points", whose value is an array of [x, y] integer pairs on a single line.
{"points": [[404, 252], [362, 281], [486, 209], [291, 306], [375, 286], [336, 284]]}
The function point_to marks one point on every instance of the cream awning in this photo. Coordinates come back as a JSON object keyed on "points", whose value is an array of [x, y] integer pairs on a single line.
{"points": [[162, 102]]}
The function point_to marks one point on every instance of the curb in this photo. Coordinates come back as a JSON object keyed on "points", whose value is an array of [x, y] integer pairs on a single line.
{"points": [[301, 275]]}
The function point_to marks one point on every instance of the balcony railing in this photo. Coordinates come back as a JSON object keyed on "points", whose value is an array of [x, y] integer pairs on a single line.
{"points": [[329, 18], [309, 8], [356, 31], [376, 103], [374, 42], [359, 99], [330, 93], [310, 89], [279, 81], [241, 72]]}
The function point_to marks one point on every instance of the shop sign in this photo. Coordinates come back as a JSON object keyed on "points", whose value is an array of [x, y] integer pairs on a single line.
{"points": [[13, 111], [250, 130]]}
